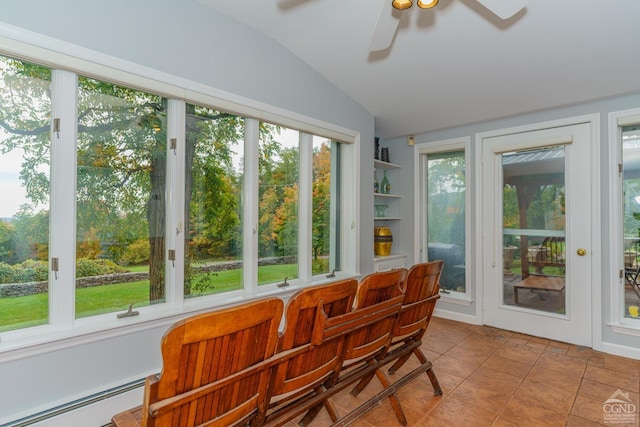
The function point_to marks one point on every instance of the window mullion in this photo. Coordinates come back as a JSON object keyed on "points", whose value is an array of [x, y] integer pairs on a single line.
{"points": [[62, 215], [174, 273], [250, 192], [305, 206]]}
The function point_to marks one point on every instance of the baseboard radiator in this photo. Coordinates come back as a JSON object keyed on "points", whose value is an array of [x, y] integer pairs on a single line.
{"points": [[75, 405]]}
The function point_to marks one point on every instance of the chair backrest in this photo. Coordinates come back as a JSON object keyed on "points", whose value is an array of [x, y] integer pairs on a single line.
{"points": [[373, 289], [421, 291], [211, 367], [380, 286], [300, 374]]}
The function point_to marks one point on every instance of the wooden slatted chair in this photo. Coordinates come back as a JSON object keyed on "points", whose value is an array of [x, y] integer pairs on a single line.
{"points": [[366, 345], [421, 291], [215, 370], [306, 375]]}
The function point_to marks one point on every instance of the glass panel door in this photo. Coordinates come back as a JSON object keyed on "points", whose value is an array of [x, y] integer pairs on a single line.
{"points": [[536, 232]]}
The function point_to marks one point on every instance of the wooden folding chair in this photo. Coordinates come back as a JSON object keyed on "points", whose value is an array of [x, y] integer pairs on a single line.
{"points": [[368, 343], [214, 371], [306, 375], [421, 291]]}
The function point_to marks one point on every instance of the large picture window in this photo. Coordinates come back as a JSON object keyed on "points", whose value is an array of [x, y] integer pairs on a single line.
{"points": [[174, 205], [624, 137], [25, 117], [121, 170], [443, 212]]}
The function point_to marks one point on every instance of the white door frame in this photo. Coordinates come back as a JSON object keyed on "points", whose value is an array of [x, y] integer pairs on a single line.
{"points": [[596, 213]]}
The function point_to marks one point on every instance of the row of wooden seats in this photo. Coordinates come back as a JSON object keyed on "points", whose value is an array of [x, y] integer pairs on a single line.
{"points": [[233, 367]]}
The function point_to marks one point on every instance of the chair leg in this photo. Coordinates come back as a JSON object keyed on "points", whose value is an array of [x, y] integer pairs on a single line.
{"points": [[393, 399], [361, 385], [313, 412], [398, 364], [437, 390]]}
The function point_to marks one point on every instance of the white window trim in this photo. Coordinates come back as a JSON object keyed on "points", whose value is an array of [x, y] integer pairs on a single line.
{"points": [[67, 332], [420, 149], [617, 321]]}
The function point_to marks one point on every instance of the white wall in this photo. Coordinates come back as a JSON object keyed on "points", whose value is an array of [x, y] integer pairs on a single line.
{"points": [[192, 42]]}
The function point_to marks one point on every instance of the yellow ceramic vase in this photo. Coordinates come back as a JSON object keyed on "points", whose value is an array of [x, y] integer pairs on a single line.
{"points": [[383, 239]]}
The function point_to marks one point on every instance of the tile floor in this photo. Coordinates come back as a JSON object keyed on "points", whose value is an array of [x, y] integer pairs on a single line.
{"points": [[492, 377]]}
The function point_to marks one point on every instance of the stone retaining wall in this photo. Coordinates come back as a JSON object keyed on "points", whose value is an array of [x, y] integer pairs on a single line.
{"points": [[31, 288]]}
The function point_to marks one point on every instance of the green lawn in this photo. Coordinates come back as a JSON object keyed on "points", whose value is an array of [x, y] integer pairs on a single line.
{"points": [[32, 310]]}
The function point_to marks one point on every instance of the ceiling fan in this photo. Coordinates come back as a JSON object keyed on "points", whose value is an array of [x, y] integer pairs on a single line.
{"points": [[392, 12]]}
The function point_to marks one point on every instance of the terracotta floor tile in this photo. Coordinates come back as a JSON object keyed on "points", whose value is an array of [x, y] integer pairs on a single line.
{"points": [[575, 421], [540, 395], [621, 364], [518, 353], [519, 412], [480, 396], [497, 378], [454, 412], [562, 363], [437, 345], [460, 368], [508, 366], [588, 408], [551, 378], [448, 382], [602, 392], [469, 354], [614, 378]]}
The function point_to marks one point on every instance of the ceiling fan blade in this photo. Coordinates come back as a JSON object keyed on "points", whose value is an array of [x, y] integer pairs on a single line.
{"points": [[503, 9], [385, 28]]}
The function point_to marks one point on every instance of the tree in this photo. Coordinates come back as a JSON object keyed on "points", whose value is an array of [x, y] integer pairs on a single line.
{"points": [[121, 157], [321, 200]]}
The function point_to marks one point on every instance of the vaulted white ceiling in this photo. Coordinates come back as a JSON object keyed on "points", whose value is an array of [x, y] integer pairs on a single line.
{"points": [[457, 63]]}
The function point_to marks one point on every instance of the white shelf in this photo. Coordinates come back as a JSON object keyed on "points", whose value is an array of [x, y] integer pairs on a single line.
{"points": [[379, 164], [384, 195]]}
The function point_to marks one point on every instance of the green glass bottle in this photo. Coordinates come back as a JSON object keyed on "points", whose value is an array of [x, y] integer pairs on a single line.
{"points": [[385, 187], [376, 186]]}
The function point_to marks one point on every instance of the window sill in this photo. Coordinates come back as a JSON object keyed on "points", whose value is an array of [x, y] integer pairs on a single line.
{"points": [[626, 327], [38, 340], [456, 298]]}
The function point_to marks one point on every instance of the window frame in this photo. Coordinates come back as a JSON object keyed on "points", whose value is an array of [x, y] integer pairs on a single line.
{"points": [[69, 61], [422, 150], [618, 322]]}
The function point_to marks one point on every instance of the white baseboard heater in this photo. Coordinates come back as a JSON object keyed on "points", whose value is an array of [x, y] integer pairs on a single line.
{"points": [[56, 415]]}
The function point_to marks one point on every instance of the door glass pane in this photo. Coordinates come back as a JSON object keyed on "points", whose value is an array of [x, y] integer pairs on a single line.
{"points": [[446, 199], [534, 229], [25, 114], [120, 198], [213, 196], [278, 206], [631, 209]]}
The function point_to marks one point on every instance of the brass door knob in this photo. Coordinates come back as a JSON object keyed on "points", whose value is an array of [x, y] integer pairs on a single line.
{"points": [[581, 251]]}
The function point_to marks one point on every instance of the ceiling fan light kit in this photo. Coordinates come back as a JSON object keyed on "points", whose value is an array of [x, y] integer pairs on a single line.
{"points": [[402, 4], [427, 4], [406, 4]]}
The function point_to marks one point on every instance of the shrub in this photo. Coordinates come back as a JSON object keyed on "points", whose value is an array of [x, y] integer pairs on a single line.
{"points": [[136, 253], [96, 267]]}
